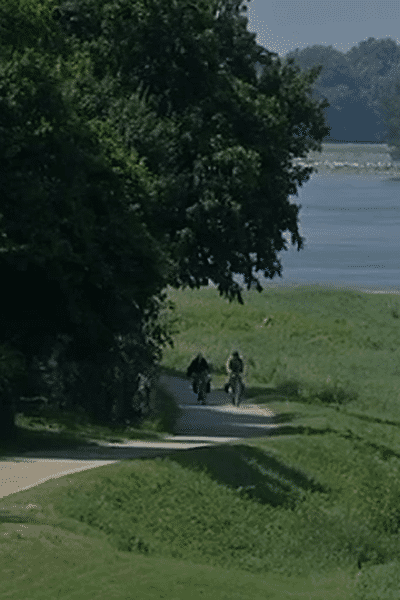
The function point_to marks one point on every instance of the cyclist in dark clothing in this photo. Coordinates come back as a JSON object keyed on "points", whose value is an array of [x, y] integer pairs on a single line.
{"points": [[196, 368]]}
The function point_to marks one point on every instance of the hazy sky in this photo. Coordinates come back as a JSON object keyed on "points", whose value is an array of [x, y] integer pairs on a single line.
{"points": [[284, 25]]}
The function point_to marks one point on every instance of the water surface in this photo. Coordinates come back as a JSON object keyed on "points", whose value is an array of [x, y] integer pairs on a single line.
{"points": [[351, 226]]}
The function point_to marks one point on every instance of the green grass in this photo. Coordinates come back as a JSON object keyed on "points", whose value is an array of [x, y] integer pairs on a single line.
{"points": [[311, 511], [314, 344], [156, 529], [290, 516]]}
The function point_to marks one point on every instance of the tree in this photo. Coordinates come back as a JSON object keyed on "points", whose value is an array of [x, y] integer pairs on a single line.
{"points": [[390, 108], [353, 83], [222, 204], [12, 368], [67, 223], [74, 249]]}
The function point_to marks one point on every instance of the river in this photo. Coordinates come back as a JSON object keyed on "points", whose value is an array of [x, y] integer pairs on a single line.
{"points": [[351, 224], [350, 219]]}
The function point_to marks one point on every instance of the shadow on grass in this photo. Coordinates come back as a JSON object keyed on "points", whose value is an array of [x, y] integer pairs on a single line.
{"points": [[28, 440], [7, 516], [371, 419], [301, 430], [252, 472], [36, 434]]}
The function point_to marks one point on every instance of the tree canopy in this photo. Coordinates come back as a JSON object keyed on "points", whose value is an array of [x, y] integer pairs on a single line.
{"points": [[225, 137], [390, 107], [70, 234]]}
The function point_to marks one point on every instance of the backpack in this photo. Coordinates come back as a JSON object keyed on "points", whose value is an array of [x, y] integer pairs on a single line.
{"points": [[236, 365]]}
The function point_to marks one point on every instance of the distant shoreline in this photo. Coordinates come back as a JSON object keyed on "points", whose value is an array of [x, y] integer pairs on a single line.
{"points": [[360, 158], [325, 285]]}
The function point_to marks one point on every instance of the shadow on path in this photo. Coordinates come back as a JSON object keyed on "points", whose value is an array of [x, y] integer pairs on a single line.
{"points": [[197, 427], [219, 418]]}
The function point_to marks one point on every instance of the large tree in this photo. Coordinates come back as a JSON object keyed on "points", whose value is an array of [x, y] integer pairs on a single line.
{"points": [[222, 206], [390, 108], [75, 251]]}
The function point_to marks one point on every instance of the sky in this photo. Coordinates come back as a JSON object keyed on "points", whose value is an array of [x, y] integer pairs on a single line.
{"points": [[284, 25]]}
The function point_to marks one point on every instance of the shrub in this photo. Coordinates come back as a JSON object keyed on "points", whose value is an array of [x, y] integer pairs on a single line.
{"points": [[164, 410]]}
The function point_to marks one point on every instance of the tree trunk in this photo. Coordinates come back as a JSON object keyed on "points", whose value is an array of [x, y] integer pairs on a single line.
{"points": [[8, 429]]}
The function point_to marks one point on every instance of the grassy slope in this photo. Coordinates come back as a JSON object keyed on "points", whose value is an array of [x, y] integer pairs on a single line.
{"points": [[296, 515], [47, 554]]}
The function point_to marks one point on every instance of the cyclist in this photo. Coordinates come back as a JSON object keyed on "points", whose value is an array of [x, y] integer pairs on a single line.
{"points": [[235, 369], [196, 368]]}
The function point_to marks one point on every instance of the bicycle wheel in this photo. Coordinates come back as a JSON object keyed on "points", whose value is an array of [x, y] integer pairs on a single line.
{"points": [[201, 397], [237, 392]]}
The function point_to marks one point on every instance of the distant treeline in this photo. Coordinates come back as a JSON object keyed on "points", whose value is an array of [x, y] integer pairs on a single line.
{"points": [[354, 84]]}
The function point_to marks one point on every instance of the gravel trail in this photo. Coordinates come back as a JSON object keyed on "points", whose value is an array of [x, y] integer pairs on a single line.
{"points": [[198, 426]]}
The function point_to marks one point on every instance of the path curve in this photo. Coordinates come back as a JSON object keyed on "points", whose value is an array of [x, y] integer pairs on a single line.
{"points": [[198, 426]]}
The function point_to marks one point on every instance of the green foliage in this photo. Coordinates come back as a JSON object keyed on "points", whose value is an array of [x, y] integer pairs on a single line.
{"points": [[215, 172], [360, 86], [81, 260], [27, 24], [164, 411], [12, 366], [90, 243], [390, 104]]}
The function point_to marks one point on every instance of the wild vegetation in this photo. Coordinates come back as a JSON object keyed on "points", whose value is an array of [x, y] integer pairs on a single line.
{"points": [[47, 428], [310, 511], [319, 344]]}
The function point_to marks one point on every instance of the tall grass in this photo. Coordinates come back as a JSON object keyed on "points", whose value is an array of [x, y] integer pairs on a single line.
{"points": [[318, 345], [309, 350], [301, 508]]}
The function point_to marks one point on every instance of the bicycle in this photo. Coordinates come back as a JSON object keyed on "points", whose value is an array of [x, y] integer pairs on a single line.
{"points": [[203, 387], [237, 389]]}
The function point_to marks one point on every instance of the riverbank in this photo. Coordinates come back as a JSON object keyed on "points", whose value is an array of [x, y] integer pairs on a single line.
{"points": [[361, 159]]}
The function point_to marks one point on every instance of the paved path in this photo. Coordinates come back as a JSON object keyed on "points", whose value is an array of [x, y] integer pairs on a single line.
{"points": [[198, 426]]}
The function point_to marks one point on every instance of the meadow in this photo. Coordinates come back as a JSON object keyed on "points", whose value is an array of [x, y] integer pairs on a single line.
{"points": [[309, 512]]}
